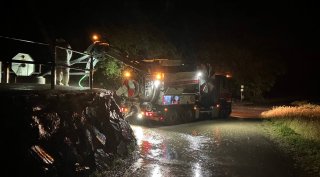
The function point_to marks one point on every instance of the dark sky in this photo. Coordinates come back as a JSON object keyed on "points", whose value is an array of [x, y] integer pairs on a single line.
{"points": [[287, 28]]}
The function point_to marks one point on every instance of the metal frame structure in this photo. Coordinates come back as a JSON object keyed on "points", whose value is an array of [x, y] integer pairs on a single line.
{"points": [[6, 64]]}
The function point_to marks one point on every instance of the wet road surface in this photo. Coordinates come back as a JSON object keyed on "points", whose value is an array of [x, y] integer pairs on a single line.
{"points": [[231, 148]]}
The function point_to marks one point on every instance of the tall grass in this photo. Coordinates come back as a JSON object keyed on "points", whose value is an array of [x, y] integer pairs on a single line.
{"points": [[304, 119], [297, 130]]}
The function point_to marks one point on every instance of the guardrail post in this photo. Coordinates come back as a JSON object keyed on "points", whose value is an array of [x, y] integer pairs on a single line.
{"points": [[91, 72], [53, 70]]}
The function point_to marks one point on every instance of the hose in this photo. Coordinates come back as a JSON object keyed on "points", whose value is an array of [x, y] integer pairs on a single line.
{"points": [[79, 83], [155, 94]]}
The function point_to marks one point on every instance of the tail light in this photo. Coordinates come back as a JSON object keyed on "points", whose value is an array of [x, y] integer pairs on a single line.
{"points": [[123, 109], [149, 113]]}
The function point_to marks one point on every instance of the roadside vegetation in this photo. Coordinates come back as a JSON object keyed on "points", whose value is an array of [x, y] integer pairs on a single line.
{"points": [[297, 129]]}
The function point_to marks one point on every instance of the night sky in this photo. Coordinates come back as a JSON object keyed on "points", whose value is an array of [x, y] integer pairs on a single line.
{"points": [[287, 28]]}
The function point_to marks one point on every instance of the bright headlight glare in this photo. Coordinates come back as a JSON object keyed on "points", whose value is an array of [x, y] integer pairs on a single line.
{"points": [[140, 116], [156, 83]]}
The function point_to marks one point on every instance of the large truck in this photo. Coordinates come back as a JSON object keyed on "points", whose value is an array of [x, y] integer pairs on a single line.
{"points": [[173, 92], [167, 91]]}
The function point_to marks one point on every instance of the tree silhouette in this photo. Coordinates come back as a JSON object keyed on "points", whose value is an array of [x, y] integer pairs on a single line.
{"points": [[255, 69]]}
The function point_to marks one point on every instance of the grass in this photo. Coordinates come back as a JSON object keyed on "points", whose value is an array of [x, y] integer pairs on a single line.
{"points": [[304, 119], [297, 131]]}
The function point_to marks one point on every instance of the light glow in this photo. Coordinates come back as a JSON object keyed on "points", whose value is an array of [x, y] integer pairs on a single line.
{"points": [[156, 83], [158, 76], [149, 113], [123, 109], [95, 37], [127, 74], [140, 115]]}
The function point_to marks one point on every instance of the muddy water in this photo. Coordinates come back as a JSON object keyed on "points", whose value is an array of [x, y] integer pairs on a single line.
{"points": [[236, 148]]}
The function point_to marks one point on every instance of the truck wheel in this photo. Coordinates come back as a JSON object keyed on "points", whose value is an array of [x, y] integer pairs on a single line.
{"points": [[197, 114], [171, 118], [189, 116], [223, 114], [213, 114]]}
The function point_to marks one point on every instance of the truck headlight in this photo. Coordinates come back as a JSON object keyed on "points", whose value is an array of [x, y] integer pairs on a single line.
{"points": [[140, 116], [156, 83]]}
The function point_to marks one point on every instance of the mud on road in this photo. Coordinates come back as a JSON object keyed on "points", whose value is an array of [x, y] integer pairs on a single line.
{"points": [[233, 147]]}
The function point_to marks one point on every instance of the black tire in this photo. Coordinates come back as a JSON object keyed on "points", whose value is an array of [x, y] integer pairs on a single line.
{"points": [[212, 115], [224, 114], [171, 118], [189, 116]]}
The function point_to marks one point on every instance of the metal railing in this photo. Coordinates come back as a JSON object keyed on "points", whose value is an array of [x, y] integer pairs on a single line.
{"points": [[52, 64]]}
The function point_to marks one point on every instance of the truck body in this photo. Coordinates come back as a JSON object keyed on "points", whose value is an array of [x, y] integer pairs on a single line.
{"points": [[168, 91], [173, 92]]}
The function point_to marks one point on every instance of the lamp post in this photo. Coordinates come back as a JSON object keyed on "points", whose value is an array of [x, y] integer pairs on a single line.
{"points": [[95, 38]]}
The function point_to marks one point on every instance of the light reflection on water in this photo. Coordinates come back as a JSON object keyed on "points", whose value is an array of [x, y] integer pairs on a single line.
{"points": [[156, 172], [158, 150], [217, 136], [197, 171], [151, 144], [138, 132]]}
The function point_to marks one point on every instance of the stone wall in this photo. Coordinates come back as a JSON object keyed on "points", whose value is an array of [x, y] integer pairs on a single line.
{"points": [[62, 133]]}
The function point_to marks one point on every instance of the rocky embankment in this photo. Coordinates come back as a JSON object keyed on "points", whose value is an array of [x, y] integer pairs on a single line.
{"points": [[61, 133]]}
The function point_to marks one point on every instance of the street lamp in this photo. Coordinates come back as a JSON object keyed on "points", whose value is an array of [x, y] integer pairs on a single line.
{"points": [[95, 38], [127, 74]]}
